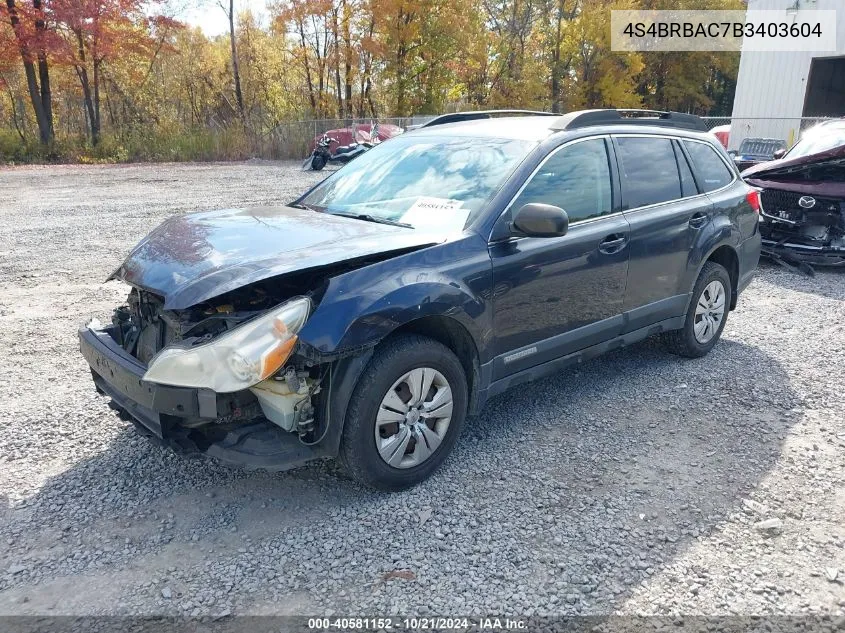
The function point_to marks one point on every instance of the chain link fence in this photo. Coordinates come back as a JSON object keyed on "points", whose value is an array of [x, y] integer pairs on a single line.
{"points": [[785, 129], [296, 139]]}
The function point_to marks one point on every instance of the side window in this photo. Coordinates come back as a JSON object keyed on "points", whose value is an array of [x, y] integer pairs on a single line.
{"points": [[688, 187], [575, 178], [649, 170], [712, 172]]}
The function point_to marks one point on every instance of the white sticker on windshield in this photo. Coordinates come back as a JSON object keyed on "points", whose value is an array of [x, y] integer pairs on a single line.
{"points": [[436, 212]]}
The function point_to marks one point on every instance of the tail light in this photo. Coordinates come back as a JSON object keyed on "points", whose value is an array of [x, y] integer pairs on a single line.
{"points": [[753, 198]]}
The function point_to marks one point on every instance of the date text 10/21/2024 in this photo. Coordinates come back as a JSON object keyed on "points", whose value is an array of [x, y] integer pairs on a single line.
{"points": [[418, 623]]}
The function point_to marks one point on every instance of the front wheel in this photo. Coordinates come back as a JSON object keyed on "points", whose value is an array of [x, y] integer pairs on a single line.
{"points": [[405, 414], [706, 315]]}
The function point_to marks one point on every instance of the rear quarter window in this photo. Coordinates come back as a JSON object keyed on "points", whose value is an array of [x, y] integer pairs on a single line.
{"points": [[711, 171]]}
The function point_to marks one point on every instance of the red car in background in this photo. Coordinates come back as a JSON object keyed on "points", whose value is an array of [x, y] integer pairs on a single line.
{"points": [[722, 132], [358, 133]]}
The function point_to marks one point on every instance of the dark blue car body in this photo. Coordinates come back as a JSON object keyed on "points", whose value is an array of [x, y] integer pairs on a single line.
{"points": [[513, 308], [497, 289]]}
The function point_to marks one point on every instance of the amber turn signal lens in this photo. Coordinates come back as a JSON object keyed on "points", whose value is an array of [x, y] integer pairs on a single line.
{"points": [[273, 360]]}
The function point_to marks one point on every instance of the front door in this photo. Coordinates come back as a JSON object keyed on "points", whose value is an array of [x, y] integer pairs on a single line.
{"points": [[554, 296]]}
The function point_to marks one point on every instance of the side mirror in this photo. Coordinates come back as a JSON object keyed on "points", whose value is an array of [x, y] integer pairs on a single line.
{"points": [[779, 154], [541, 220], [732, 153]]}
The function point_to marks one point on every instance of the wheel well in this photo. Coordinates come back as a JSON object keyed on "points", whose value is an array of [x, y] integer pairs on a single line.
{"points": [[726, 257], [454, 336]]}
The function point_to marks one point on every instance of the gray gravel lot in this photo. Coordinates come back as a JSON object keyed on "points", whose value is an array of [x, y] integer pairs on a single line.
{"points": [[633, 484]]}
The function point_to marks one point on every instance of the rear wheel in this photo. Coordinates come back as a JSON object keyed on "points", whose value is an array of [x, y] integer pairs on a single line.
{"points": [[706, 315], [405, 414]]}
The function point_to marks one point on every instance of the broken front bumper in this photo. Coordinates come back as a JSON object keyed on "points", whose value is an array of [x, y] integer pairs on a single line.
{"points": [[161, 412], [795, 234], [805, 253]]}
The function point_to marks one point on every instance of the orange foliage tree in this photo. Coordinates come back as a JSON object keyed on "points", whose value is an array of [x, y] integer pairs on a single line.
{"points": [[33, 41]]}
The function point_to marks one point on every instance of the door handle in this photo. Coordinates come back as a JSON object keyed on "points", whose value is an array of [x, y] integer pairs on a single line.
{"points": [[613, 244], [698, 220]]}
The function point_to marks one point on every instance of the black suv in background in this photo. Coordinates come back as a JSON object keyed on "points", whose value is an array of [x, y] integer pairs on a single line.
{"points": [[368, 318]]}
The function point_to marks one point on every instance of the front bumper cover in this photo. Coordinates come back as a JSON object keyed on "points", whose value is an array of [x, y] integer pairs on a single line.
{"points": [[120, 376], [156, 411], [814, 255]]}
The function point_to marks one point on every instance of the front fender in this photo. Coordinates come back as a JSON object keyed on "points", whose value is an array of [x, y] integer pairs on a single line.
{"points": [[361, 307]]}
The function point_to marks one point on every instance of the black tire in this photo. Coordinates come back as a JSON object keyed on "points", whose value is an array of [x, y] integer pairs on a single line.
{"points": [[391, 360], [318, 162], [683, 342]]}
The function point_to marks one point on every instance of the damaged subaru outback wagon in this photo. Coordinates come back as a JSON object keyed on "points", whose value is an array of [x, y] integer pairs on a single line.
{"points": [[367, 319]]}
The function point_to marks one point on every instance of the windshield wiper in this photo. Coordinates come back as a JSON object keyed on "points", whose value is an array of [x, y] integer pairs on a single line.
{"points": [[300, 205], [372, 218]]}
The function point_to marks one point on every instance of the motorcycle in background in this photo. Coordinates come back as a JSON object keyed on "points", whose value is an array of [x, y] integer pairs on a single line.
{"points": [[322, 154]]}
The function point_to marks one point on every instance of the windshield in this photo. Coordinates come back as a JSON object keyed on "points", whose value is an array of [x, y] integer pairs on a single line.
{"points": [[820, 139], [422, 181]]}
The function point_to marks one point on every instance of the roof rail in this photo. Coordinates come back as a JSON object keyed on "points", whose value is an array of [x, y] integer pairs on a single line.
{"points": [[455, 117], [586, 118]]}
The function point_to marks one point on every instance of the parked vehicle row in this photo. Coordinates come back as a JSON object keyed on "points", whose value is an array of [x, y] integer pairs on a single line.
{"points": [[369, 318]]}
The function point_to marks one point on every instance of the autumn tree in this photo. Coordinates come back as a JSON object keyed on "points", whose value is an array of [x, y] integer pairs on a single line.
{"points": [[598, 76], [96, 32], [111, 77], [310, 21], [228, 7], [33, 39], [555, 18], [270, 88], [511, 23], [689, 81]]}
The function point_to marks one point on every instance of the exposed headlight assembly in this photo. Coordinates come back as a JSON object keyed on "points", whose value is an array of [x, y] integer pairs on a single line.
{"points": [[237, 359]]}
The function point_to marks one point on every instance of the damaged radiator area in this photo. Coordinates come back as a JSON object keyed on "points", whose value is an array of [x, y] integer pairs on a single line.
{"points": [[143, 327], [806, 225]]}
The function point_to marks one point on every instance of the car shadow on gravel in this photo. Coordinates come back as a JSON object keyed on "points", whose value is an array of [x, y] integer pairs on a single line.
{"points": [[637, 456], [576, 490]]}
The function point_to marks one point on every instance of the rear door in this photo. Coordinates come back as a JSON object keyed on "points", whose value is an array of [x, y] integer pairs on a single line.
{"points": [[714, 177], [731, 209], [665, 211]]}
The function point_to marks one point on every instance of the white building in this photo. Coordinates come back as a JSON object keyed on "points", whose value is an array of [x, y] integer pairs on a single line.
{"points": [[775, 89]]}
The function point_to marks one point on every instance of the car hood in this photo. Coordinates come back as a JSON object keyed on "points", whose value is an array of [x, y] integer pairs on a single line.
{"points": [[822, 173], [194, 257]]}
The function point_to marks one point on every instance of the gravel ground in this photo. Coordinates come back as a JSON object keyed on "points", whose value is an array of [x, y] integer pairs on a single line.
{"points": [[633, 484]]}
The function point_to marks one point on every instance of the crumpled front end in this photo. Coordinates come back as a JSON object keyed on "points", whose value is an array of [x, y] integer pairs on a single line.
{"points": [[803, 227], [802, 220], [269, 425], [205, 355]]}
